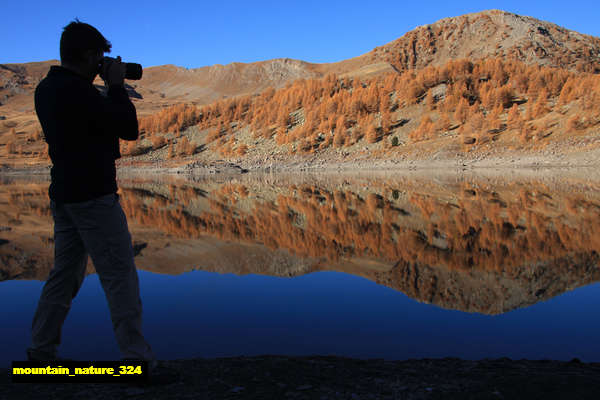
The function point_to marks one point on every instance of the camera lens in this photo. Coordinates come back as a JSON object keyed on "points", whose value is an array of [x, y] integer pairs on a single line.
{"points": [[133, 71]]}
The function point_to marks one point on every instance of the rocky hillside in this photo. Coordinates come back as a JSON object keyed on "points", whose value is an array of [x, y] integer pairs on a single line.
{"points": [[496, 34], [475, 36], [17, 83], [492, 33], [463, 88], [206, 84]]}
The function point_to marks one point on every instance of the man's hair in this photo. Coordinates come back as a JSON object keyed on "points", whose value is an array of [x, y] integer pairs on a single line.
{"points": [[77, 38]]}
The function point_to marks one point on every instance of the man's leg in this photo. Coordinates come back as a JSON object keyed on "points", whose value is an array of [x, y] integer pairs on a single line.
{"points": [[62, 285], [103, 228]]}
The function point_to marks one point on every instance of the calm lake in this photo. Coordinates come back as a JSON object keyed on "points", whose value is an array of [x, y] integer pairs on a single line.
{"points": [[391, 266]]}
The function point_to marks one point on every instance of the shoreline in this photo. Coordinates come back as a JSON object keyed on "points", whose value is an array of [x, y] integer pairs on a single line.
{"points": [[355, 166], [334, 377]]}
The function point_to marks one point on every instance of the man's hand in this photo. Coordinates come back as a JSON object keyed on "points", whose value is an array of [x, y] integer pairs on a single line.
{"points": [[113, 71]]}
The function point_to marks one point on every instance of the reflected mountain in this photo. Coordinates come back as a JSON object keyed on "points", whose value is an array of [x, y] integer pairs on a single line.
{"points": [[470, 243]]}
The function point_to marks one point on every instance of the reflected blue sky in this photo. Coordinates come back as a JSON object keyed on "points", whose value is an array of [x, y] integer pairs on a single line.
{"points": [[202, 314]]}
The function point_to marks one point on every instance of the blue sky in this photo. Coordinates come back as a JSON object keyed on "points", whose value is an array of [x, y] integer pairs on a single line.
{"points": [[197, 33]]}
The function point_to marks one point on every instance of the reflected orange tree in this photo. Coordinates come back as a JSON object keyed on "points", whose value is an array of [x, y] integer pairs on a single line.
{"points": [[475, 228]]}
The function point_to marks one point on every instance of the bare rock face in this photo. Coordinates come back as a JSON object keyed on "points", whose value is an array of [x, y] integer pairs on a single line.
{"points": [[491, 33], [18, 81], [23, 75]]}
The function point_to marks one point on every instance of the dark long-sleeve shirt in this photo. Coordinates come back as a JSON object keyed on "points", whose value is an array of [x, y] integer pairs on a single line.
{"points": [[82, 128]]}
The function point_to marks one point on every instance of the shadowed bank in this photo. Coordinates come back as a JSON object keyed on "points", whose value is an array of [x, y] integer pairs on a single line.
{"points": [[320, 377]]}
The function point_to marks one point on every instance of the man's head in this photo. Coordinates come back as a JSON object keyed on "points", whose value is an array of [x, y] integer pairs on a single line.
{"points": [[82, 47]]}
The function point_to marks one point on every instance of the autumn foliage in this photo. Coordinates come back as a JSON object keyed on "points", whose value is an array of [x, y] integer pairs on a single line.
{"points": [[515, 230], [479, 228], [483, 98]]}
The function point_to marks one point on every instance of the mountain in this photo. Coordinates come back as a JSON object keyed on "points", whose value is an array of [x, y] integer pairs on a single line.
{"points": [[475, 36], [494, 36], [485, 34], [493, 33]]}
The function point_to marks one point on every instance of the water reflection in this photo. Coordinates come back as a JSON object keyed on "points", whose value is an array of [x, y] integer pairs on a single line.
{"points": [[475, 244]]}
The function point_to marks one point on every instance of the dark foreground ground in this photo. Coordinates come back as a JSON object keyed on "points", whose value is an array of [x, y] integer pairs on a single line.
{"points": [[282, 377]]}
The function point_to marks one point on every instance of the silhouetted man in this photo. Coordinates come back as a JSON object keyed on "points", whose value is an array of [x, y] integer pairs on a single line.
{"points": [[82, 128]]}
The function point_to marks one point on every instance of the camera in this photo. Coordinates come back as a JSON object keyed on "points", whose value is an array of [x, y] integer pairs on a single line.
{"points": [[133, 71]]}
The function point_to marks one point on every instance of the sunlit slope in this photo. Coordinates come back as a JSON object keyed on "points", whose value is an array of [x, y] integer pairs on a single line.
{"points": [[376, 94]]}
